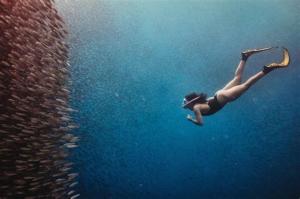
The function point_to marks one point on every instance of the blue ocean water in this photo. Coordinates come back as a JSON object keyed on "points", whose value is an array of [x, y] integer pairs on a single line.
{"points": [[132, 63]]}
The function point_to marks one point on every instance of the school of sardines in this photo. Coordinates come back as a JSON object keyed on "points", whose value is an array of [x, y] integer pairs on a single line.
{"points": [[35, 116]]}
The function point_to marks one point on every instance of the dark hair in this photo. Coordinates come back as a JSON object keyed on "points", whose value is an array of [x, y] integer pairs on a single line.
{"points": [[193, 95]]}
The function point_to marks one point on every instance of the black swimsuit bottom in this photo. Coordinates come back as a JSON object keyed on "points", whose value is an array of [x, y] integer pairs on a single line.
{"points": [[214, 105]]}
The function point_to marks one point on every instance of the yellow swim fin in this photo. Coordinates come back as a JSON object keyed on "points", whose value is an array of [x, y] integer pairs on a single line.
{"points": [[256, 50], [247, 53], [285, 60], [283, 64]]}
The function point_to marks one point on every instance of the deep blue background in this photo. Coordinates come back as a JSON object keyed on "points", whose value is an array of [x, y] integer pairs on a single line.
{"points": [[132, 63]]}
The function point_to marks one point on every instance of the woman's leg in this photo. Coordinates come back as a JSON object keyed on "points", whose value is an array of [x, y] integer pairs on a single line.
{"points": [[237, 76], [233, 93], [239, 71]]}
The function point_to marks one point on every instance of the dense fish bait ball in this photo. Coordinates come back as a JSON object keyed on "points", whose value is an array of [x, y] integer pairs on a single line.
{"points": [[35, 120]]}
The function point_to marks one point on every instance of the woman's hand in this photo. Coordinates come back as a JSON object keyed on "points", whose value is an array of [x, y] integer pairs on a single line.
{"points": [[189, 117], [195, 121]]}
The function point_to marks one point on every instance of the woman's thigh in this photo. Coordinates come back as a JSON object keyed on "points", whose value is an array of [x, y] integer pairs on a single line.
{"points": [[231, 94]]}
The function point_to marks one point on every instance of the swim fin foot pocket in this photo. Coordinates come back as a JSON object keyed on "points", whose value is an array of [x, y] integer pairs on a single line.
{"points": [[248, 53], [283, 64]]}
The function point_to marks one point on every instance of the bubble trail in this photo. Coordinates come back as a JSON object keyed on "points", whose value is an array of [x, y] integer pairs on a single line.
{"points": [[35, 121]]}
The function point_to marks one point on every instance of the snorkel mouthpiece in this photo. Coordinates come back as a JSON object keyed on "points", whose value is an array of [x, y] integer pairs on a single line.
{"points": [[184, 101]]}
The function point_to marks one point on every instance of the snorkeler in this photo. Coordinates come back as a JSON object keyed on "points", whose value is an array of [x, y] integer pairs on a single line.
{"points": [[203, 106]]}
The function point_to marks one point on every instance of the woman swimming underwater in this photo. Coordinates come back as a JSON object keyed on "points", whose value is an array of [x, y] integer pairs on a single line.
{"points": [[203, 106]]}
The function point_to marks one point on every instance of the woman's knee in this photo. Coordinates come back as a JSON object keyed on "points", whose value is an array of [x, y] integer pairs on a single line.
{"points": [[246, 85], [237, 79]]}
